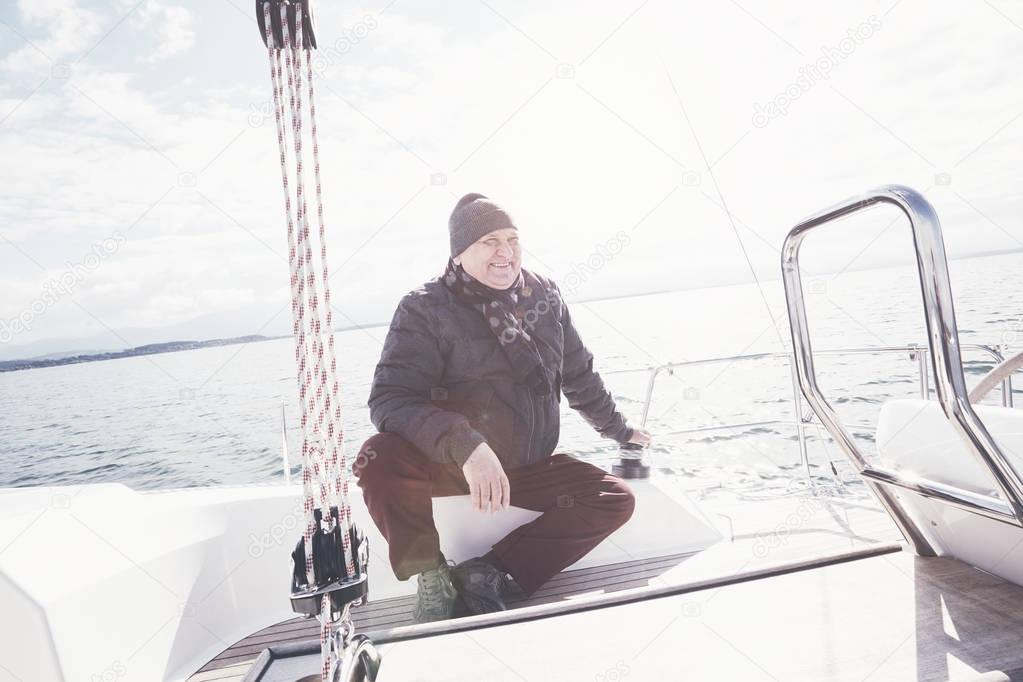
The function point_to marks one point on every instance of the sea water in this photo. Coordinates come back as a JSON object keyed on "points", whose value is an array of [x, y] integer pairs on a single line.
{"points": [[213, 416]]}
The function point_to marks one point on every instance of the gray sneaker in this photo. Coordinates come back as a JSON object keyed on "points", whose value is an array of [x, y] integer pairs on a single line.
{"points": [[481, 586], [435, 597]]}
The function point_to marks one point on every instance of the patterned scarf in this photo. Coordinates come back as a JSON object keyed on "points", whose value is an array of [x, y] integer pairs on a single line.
{"points": [[504, 311]]}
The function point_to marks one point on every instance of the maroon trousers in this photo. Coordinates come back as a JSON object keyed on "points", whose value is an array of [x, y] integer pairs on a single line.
{"points": [[582, 504]]}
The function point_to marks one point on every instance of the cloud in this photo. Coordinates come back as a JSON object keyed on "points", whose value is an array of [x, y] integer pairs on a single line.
{"points": [[423, 102], [67, 31], [172, 27]]}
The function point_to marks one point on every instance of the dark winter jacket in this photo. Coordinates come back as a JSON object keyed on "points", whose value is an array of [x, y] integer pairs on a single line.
{"points": [[444, 383]]}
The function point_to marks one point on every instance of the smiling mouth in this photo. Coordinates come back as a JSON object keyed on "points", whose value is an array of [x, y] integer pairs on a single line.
{"points": [[501, 266]]}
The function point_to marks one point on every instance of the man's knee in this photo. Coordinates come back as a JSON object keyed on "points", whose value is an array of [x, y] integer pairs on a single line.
{"points": [[379, 456], [606, 495], [609, 499], [388, 456], [624, 500]]}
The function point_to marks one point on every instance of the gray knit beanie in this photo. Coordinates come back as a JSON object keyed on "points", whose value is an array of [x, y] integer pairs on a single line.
{"points": [[474, 216]]}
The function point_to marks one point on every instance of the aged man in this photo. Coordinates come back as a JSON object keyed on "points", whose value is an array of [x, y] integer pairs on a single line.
{"points": [[466, 398]]}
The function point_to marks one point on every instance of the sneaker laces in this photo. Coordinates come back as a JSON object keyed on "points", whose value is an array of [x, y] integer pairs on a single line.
{"points": [[432, 590]]}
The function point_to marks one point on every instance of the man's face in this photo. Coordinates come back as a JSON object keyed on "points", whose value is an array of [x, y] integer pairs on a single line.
{"points": [[494, 260]]}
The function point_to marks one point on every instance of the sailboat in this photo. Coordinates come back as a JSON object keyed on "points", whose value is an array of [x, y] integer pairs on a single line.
{"points": [[920, 577], [925, 584]]}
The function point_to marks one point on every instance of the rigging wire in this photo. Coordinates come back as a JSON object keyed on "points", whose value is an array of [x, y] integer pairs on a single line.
{"points": [[724, 204]]}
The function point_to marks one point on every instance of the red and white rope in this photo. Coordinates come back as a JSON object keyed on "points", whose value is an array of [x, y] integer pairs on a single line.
{"points": [[297, 310], [323, 460], [335, 433]]}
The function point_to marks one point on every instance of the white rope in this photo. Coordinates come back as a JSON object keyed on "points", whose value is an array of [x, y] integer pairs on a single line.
{"points": [[323, 460], [335, 434], [298, 327]]}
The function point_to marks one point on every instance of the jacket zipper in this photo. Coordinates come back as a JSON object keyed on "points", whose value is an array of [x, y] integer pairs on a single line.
{"points": [[532, 425]]}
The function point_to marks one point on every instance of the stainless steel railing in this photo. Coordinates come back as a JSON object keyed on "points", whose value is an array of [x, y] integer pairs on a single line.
{"points": [[945, 360], [917, 354]]}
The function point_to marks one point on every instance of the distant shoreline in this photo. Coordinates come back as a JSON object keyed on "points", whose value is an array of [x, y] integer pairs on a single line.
{"points": [[175, 346], [148, 349]]}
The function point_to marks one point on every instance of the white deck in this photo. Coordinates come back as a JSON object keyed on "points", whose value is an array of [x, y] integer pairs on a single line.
{"points": [[757, 536], [164, 581], [888, 618]]}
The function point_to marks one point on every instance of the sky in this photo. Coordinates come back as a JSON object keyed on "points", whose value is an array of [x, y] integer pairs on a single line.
{"points": [[640, 146]]}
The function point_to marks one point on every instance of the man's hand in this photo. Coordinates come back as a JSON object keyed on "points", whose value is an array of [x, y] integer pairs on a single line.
{"points": [[487, 481], [641, 437]]}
